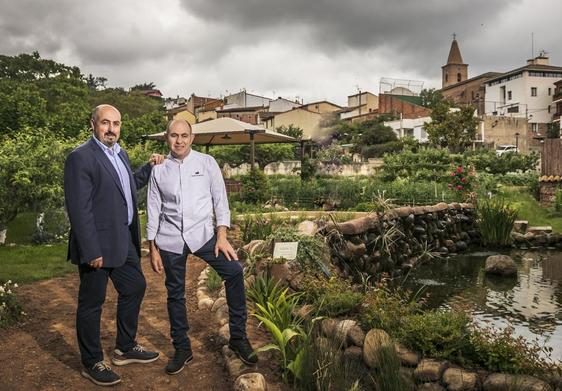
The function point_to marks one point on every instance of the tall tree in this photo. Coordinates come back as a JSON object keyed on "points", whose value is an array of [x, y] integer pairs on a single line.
{"points": [[452, 128], [143, 87]]}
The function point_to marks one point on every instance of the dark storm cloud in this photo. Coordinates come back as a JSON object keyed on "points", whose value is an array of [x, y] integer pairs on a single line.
{"points": [[314, 49], [413, 25]]}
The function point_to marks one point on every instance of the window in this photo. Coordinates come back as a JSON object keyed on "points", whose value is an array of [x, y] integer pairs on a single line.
{"points": [[533, 91], [549, 91], [459, 77], [548, 109], [508, 95], [446, 77], [534, 127], [472, 94], [513, 109]]}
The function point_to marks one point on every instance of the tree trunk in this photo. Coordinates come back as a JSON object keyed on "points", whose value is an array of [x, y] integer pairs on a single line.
{"points": [[3, 233]]}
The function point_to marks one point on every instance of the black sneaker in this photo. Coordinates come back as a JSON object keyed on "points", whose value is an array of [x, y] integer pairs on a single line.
{"points": [[136, 354], [244, 351], [101, 374], [180, 359]]}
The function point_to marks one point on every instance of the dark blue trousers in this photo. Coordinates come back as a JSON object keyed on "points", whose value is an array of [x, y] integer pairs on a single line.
{"points": [[230, 271], [130, 284]]}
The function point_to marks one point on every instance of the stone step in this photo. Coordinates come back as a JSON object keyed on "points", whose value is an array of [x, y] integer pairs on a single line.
{"points": [[546, 229], [520, 226]]}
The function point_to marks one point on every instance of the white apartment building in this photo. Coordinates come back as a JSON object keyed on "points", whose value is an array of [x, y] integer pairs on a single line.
{"points": [[525, 92], [410, 127]]}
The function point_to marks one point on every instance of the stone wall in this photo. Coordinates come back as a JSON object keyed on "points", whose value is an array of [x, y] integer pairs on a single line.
{"points": [[293, 167], [417, 372], [410, 232]]}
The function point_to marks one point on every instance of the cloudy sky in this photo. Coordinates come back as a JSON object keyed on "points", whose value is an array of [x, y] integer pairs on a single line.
{"points": [[321, 49]]}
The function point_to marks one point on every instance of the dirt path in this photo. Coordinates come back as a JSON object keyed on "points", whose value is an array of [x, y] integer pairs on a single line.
{"points": [[42, 354]]}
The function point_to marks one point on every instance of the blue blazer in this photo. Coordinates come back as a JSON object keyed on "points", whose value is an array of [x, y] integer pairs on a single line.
{"points": [[96, 206]]}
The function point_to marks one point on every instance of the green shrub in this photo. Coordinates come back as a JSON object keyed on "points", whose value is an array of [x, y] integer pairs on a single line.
{"points": [[332, 297], [495, 220], [501, 351], [385, 308], [437, 334], [10, 309], [484, 160], [255, 187], [214, 281]]}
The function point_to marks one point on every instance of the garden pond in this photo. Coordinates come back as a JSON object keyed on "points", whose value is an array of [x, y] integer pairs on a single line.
{"points": [[530, 303]]}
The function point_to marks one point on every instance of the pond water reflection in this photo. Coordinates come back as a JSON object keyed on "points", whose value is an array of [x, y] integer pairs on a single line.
{"points": [[530, 303]]}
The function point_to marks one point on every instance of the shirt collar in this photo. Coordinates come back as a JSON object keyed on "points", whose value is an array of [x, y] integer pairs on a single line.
{"points": [[116, 149], [171, 158]]}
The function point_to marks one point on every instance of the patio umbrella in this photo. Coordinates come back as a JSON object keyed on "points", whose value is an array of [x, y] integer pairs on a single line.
{"points": [[229, 131]]}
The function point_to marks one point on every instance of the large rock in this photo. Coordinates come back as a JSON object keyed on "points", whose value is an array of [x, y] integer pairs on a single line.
{"points": [[504, 382], [429, 370], [250, 382], [342, 330], [501, 265], [460, 380], [356, 336], [376, 341], [218, 303], [407, 357], [205, 304], [223, 335]]}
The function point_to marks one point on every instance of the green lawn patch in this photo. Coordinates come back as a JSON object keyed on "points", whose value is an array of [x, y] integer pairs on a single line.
{"points": [[25, 263], [529, 209]]}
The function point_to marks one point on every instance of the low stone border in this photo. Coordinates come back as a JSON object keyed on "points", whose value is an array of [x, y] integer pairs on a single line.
{"points": [[423, 373], [240, 373]]}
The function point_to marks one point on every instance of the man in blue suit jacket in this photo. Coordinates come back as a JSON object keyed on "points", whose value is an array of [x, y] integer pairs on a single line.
{"points": [[100, 192]]}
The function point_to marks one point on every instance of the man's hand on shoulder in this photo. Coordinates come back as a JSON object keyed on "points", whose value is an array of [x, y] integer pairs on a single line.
{"points": [[224, 246], [96, 263], [156, 158]]}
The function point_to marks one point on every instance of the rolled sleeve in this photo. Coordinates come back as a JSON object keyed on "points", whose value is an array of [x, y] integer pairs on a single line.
{"points": [[153, 207], [218, 193]]}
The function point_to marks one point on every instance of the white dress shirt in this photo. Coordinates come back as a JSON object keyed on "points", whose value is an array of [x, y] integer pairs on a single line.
{"points": [[182, 195]]}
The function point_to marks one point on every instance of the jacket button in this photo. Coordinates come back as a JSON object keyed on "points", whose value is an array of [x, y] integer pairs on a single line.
{"points": [[125, 223]]}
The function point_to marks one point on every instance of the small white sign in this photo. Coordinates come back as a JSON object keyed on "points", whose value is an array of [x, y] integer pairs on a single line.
{"points": [[286, 250]]}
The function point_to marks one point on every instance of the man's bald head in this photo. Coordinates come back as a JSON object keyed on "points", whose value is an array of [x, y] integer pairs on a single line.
{"points": [[179, 138], [106, 124], [98, 109], [178, 124]]}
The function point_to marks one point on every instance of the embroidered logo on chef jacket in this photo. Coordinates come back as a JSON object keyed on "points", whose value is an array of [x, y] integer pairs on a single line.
{"points": [[197, 173]]}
